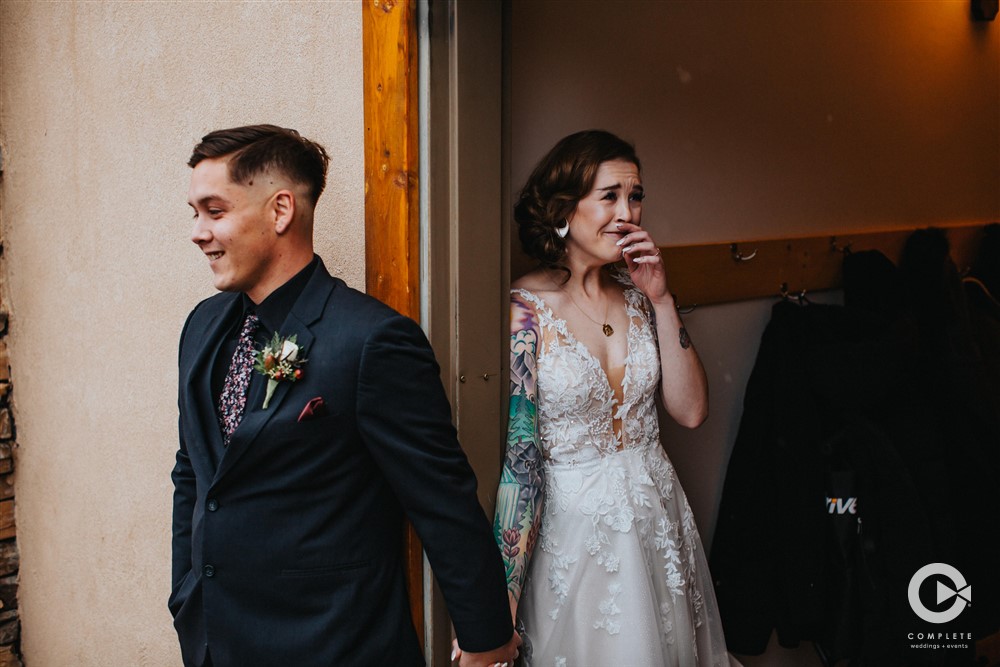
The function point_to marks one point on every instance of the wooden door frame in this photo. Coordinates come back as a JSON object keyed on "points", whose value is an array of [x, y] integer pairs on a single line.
{"points": [[392, 222], [457, 231]]}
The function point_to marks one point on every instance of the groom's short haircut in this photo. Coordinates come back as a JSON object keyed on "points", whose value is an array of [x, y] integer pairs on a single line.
{"points": [[255, 149]]}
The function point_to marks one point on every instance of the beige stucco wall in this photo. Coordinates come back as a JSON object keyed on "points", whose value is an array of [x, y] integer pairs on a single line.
{"points": [[100, 104]]}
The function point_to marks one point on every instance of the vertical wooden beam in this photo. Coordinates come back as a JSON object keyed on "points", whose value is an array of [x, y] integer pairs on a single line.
{"points": [[392, 223]]}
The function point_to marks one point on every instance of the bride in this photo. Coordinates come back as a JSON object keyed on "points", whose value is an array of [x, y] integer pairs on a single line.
{"points": [[604, 563]]}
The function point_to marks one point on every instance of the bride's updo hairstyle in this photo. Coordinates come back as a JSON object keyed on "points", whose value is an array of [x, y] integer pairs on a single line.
{"points": [[561, 179]]}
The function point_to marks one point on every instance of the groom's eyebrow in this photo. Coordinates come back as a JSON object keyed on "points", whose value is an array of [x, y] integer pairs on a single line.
{"points": [[208, 199]]}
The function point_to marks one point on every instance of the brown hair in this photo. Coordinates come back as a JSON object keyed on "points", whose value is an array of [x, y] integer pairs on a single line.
{"points": [[257, 148], [559, 181]]}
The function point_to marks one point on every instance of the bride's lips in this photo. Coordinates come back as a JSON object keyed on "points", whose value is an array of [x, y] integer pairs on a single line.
{"points": [[212, 256]]}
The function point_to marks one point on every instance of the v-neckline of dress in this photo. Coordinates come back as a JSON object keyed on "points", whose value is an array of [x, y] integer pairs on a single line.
{"points": [[576, 342]]}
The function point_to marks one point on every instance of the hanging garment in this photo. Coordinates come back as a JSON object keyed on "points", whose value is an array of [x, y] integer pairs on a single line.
{"points": [[877, 402], [960, 387], [816, 500]]}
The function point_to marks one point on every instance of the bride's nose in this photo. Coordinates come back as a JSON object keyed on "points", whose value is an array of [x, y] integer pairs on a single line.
{"points": [[623, 211]]}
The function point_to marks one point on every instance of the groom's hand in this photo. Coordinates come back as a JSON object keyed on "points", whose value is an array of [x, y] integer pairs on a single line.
{"points": [[499, 657]]}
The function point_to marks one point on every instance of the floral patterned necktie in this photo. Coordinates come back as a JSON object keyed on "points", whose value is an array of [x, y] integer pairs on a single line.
{"points": [[233, 400]]}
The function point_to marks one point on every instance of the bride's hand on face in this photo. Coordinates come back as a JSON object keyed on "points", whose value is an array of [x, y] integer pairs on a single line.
{"points": [[644, 263]]}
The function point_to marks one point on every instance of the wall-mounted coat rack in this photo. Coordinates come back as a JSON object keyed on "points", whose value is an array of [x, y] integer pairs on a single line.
{"points": [[724, 272]]}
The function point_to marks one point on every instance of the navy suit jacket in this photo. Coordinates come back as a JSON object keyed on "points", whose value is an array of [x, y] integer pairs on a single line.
{"points": [[289, 551]]}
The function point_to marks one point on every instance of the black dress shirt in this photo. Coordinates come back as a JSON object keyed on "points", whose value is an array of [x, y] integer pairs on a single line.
{"points": [[272, 312]]}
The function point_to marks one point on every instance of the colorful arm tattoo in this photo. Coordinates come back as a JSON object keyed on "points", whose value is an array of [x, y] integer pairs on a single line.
{"points": [[522, 482]]}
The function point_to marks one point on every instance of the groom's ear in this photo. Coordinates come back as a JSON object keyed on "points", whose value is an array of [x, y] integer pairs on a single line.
{"points": [[283, 209]]}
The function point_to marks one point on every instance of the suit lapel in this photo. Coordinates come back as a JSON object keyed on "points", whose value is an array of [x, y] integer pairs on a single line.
{"points": [[198, 394], [306, 311]]}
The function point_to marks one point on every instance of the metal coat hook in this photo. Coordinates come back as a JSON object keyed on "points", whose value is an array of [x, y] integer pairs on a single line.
{"points": [[734, 250], [846, 248], [784, 294]]}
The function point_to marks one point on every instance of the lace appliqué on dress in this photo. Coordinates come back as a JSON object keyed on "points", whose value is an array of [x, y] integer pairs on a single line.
{"points": [[610, 611]]}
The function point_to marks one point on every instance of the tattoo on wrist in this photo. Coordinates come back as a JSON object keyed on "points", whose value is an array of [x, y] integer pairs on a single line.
{"points": [[685, 339]]}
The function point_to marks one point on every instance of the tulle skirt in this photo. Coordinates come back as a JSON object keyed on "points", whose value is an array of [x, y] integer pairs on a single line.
{"points": [[619, 576]]}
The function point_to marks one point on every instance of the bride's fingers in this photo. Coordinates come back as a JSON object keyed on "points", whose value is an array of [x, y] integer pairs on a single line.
{"points": [[649, 255], [628, 226], [633, 236], [647, 259], [641, 248]]}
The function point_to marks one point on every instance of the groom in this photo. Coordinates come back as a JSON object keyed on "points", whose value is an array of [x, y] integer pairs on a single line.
{"points": [[312, 418]]}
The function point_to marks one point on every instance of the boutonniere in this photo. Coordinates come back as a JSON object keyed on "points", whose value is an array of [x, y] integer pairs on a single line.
{"points": [[279, 361]]}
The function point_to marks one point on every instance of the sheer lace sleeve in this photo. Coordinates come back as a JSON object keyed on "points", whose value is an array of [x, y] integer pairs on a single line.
{"points": [[519, 496]]}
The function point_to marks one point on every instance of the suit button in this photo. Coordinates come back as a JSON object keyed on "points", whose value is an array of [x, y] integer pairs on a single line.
{"points": [[209, 570], [212, 505]]}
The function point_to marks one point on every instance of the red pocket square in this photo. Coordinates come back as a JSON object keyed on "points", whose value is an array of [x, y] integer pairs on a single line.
{"points": [[316, 407]]}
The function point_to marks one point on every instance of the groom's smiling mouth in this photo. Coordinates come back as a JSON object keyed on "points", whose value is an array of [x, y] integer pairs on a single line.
{"points": [[212, 256]]}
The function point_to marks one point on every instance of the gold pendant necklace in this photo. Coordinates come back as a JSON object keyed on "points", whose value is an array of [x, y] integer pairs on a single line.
{"points": [[605, 327]]}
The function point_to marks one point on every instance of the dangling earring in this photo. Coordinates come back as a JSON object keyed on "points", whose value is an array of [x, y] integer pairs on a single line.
{"points": [[563, 231]]}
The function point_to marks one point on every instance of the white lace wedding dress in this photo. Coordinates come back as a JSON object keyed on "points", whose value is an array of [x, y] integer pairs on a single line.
{"points": [[618, 577]]}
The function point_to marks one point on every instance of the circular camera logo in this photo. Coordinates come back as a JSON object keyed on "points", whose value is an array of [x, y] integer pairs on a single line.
{"points": [[959, 590]]}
